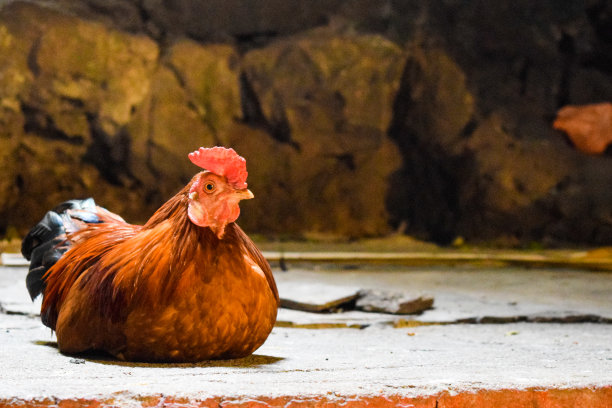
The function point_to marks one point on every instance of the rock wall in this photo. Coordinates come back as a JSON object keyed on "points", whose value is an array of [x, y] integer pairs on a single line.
{"points": [[93, 110], [356, 117]]}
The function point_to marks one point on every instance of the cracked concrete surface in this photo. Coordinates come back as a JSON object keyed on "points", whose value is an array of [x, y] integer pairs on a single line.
{"points": [[378, 360]]}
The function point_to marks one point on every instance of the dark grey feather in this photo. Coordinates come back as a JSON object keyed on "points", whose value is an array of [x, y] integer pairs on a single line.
{"points": [[46, 242]]}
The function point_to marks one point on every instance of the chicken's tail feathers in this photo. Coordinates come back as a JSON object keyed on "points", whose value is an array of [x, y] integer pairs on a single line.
{"points": [[47, 242]]}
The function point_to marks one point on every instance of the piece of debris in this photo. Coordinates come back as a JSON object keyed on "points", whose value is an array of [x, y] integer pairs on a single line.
{"points": [[589, 127], [334, 306], [392, 302], [367, 301]]}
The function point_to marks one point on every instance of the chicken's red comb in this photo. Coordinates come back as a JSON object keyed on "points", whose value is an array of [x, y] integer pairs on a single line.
{"points": [[223, 162]]}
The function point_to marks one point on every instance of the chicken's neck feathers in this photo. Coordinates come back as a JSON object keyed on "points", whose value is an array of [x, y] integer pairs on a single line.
{"points": [[122, 266]]}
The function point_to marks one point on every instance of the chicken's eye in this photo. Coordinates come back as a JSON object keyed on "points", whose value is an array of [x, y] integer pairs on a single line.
{"points": [[209, 187]]}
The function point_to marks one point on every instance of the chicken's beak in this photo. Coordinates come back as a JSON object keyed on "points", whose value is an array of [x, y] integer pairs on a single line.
{"points": [[244, 194]]}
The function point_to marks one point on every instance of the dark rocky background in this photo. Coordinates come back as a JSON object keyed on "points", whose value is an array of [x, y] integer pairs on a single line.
{"points": [[357, 117]]}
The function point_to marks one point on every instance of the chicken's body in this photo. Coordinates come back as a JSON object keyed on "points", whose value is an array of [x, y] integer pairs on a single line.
{"points": [[170, 290]]}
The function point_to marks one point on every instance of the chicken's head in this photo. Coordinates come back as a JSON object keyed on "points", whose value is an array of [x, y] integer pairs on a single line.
{"points": [[215, 193]]}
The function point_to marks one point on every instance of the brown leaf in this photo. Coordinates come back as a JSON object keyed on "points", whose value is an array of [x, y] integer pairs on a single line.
{"points": [[589, 127]]}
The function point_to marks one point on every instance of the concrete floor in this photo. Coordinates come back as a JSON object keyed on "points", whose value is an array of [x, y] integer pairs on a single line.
{"points": [[416, 360]]}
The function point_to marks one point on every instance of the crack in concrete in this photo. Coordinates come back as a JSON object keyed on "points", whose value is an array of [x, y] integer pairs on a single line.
{"points": [[408, 323]]}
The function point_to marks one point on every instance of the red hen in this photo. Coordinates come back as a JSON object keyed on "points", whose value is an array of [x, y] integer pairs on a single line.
{"points": [[189, 285]]}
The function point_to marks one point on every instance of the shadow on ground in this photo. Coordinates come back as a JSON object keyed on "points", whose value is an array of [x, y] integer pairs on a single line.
{"points": [[99, 357]]}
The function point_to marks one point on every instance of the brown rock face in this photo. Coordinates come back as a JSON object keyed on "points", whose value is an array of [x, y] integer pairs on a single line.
{"points": [[192, 100], [72, 88], [465, 174], [326, 101], [120, 118], [432, 109], [357, 117]]}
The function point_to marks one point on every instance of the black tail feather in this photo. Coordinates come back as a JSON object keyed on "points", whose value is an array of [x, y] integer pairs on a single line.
{"points": [[46, 242]]}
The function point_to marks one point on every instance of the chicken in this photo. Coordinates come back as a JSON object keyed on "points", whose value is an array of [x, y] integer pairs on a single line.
{"points": [[187, 286]]}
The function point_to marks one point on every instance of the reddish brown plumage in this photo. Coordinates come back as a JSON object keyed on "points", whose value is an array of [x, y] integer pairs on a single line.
{"points": [[166, 291]]}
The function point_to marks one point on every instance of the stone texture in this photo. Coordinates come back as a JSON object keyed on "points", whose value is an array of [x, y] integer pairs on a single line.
{"points": [[314, 95], [444, 110], [521, 61], [509, 179], [236, 17], [192, 101], [121, 114], [432, 109], [72, 86]]}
